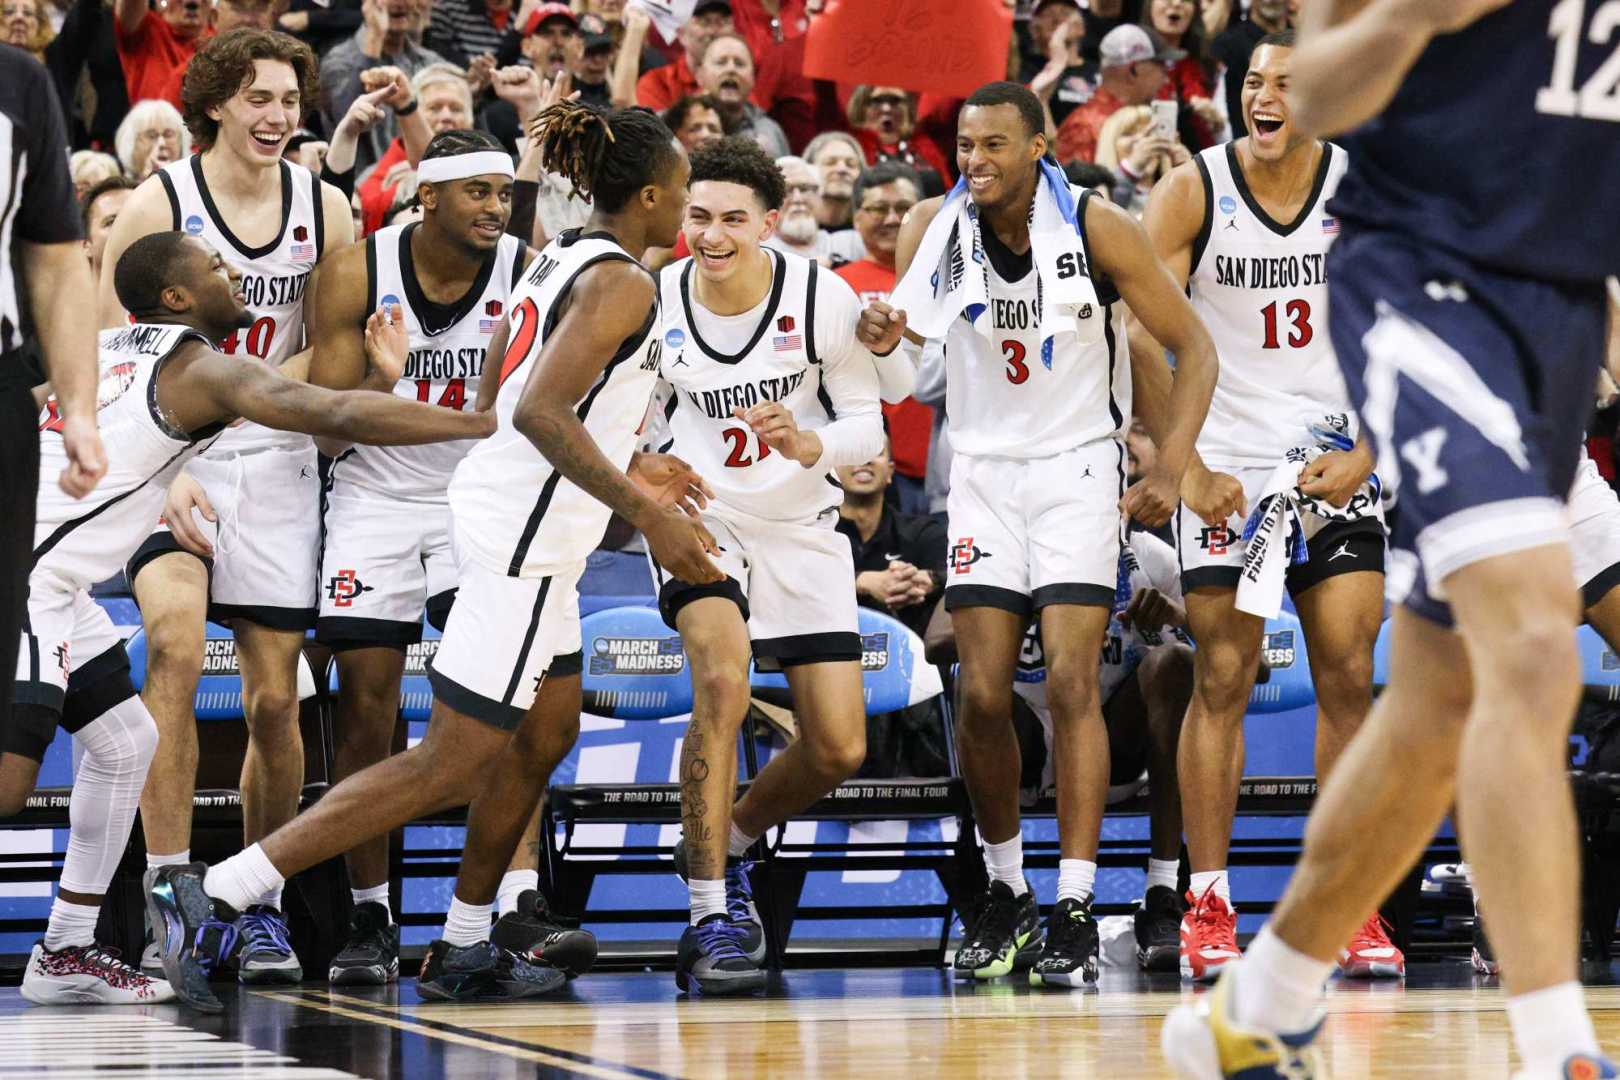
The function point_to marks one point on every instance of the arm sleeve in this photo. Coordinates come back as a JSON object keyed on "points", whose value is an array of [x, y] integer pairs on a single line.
{"points": [[930, 388], [343, 181], [1159, 563], [849, 378], [49, 213], [897, 373]]}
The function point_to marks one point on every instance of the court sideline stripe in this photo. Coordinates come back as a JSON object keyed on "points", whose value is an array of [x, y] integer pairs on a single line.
{"points": [[358, 1009]]}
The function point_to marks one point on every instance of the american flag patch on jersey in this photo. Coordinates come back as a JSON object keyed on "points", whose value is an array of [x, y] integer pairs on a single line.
{"points": [[787, 342], [303, 252], [1330, 226], [487, 326]]}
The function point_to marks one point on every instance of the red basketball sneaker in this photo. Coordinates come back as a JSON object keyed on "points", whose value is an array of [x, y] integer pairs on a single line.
{"points": [[1371, 954], [1208, 936]]}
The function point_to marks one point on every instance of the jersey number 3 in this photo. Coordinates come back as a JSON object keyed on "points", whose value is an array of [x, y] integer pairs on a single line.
{"points": [[1299, 314], [1012, 351]]}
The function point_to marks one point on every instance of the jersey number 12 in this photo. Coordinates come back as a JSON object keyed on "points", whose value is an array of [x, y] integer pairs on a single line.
{"points": [[1599, 98]]}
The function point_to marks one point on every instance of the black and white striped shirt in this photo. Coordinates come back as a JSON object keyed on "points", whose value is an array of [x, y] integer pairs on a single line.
{"points": [[461, 30], [37, 202]]}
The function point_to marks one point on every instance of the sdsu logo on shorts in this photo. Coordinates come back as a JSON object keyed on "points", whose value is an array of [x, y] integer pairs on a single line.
{"points": [[1216, 539], [965, 554], [1279, 649], [343, 587], [874, 651], [637, 656]]}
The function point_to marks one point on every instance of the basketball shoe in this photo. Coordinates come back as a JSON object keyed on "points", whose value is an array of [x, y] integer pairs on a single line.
{"points": [[1201, 1041], [267, 956], [711, 960], [1158, 929], [198, 933], [1000, 932], [531, 931], [1371, 954], [1208, 936], [371, 955], [1069, 958], [88, 975], [482, 972], [740, 907]]}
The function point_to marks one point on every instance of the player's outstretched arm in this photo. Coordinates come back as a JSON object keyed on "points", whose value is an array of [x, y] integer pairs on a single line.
{"points": [[1124, 253], [608, 304], [1353, 55], [204, 386]]}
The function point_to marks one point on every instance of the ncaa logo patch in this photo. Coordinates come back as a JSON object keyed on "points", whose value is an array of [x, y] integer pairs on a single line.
{"points": [[675, 338], [194, 225], [1228, 204], [389, 301]]}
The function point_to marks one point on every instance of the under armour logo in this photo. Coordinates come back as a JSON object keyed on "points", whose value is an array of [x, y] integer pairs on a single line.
{"points": [[1344, 550]]}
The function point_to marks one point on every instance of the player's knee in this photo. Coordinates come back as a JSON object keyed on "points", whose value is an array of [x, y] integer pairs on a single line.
{"points": [[271, 713], [838, 759], [143, 738], [1344, 682], [984, 705], [1225, 677], [721, 692], [174, 648], [1532, 662], [1071, 684]]}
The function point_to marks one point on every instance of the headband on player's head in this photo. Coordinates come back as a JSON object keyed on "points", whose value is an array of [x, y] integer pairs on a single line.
{"points": [[461, 166]]}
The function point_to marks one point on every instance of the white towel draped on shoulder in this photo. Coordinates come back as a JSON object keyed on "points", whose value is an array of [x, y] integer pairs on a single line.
{"points": [[949, 276]]}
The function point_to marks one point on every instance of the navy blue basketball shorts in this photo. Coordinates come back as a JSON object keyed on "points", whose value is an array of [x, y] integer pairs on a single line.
{"points": [[1477, 386]]}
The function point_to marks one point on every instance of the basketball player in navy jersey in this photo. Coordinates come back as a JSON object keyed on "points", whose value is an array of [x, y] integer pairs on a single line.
{"points": [[1244, 226], [1037, 486], [577, 375], [249, 557], [1468, 314]]}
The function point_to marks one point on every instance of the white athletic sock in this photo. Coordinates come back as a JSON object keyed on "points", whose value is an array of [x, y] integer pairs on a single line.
{"points": [[179, 858], [1549, 1025], [241, 879], [707, 897], [467, 924], [513, 885], [740, 842], [272, 897], [71, 924], [117, 750], [1075, 879], [1203, 879], [1163, 872], [1005, 862], [1277, 987], [377, 894]]}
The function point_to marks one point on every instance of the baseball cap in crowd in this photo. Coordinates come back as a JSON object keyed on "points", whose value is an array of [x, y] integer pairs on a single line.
{"points": [[712, 5], [1039, 4], [546, 12], [1133, 44], [593, 42], [299, 138]]}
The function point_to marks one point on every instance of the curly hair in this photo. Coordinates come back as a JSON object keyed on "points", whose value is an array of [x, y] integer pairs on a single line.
{"points": [[607, 156], [737, 159], [223, 67]]}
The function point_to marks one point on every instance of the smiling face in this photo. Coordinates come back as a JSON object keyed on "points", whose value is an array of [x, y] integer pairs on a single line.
{"points": [[840, 164], [210, 289], [869, 478], [1265, 104], [878, 218], [700, 128], [725, 223], [256, 122], [997, 153], [727, 71], [471, 212], [797, 222], [103, 215]]}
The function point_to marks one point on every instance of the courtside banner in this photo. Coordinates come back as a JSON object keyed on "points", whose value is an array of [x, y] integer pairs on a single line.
{"points": [[949, 47]]}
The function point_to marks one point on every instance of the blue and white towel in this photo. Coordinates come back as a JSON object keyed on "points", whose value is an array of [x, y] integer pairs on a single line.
{"points": [[940, 285], [1274, 537]]}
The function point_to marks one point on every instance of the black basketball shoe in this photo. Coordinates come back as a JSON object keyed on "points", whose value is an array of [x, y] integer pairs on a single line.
{"points": [[1158, 929], [482, 972], [998, 932], [1070, 956], [532, 932], [371, 955]]}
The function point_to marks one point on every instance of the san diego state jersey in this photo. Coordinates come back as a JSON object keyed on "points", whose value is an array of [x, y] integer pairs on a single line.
{"points": [[87, 540], [1260, 287], [512, 511], [447, 346], [273, 276], [796, 347]]}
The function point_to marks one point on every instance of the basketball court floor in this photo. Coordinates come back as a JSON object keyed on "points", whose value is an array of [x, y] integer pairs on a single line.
{"points": [[1443, 1021]]}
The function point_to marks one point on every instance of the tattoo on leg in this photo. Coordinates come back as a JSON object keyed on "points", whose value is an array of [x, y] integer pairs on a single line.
{"points": [[694, 808]]}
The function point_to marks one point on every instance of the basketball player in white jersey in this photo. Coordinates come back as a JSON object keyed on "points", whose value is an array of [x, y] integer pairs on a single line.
{"points": [[258, 493], [768, 390], [1245, 225], [386, 553], [577, 367], [166, 393], [1038, 418]]}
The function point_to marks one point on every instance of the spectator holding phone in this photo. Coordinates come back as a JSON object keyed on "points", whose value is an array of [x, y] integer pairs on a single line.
{"points": [[1135, 64]]}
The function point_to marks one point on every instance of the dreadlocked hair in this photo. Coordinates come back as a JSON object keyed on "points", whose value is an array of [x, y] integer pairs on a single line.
{"points": [[607, 156]]}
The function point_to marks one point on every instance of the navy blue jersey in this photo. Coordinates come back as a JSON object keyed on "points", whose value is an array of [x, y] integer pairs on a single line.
{"points": [[1503, 144]]}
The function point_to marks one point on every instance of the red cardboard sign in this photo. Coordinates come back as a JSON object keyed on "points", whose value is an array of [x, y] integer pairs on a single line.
{"points": [[949, 47]]}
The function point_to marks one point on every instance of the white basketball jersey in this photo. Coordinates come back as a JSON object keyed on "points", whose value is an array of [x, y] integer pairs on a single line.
{"points": [[1261, 288], [88, 540], [447, 346], [807, 316], [273, 276], [1015, 394], [513, 512], [1145, 562]]}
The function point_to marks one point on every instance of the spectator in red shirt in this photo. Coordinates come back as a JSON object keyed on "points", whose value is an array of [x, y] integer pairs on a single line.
{"points": [[884, 119], [1177, 22], [884, 195], [156, 45], [1135, 63], [662, 87]]}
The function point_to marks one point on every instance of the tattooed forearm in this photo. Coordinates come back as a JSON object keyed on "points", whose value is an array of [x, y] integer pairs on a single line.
{"points": [[558, 434]]}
